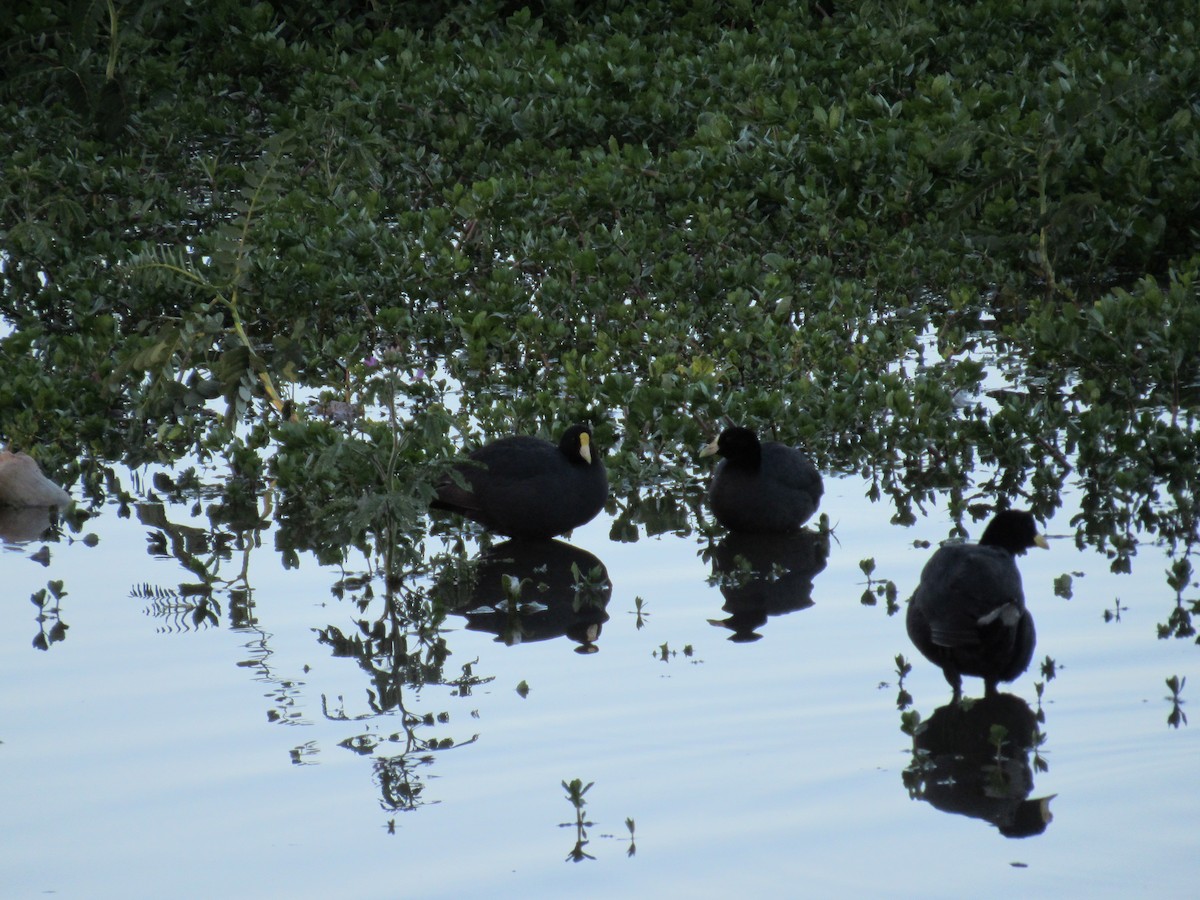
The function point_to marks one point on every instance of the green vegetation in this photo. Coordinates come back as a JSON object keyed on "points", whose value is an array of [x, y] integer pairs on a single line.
{"points": [[471, 219]]}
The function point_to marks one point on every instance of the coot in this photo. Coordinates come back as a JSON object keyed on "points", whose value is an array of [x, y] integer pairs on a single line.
{"points": [[526, 487], [764, 487], [968, 614]]}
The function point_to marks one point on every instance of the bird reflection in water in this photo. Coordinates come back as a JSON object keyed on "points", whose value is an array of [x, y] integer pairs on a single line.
{"points": [[972, 758], [763, 575], [532, 590], [27, 499], [23, 525]]}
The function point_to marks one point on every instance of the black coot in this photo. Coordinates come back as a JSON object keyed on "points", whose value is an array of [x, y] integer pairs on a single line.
{"points": [[763, 487], [968, 613], [530, 488]]}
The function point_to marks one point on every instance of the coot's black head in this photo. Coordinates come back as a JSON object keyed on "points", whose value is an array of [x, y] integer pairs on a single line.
{"points": [[576, 445], [738, 445], [1013, 530]]}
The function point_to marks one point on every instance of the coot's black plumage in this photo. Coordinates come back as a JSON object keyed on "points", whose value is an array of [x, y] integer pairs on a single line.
{"points": [[968, 614], [764, 487], [526, 487]]}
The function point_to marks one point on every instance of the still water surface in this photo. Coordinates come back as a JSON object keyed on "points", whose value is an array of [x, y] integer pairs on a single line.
{"points": [[143, 756]]}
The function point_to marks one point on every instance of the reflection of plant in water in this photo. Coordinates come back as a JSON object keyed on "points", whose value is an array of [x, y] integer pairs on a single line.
{"points": [[1177, 716], [302, 753], [740, 573], [575, 791], [400, 648], [47, 602], [592, 588], [639, 609], [177, 610], [1064, 586], [1179, 624], [201, 551], [878, 588], [1114, 614], [1049, 669], [512, 588], [903, 697], [658, 495], [396, 649], [998, 737], [364, 483], [1001, 774], [666, 654], [1040, 763], [235, 523]]}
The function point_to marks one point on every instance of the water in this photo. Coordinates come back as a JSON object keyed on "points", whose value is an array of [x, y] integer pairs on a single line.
{"points": [[145, 756]]}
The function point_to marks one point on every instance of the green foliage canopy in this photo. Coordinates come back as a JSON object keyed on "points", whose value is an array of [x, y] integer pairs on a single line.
{"points": [[817, 218]]}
